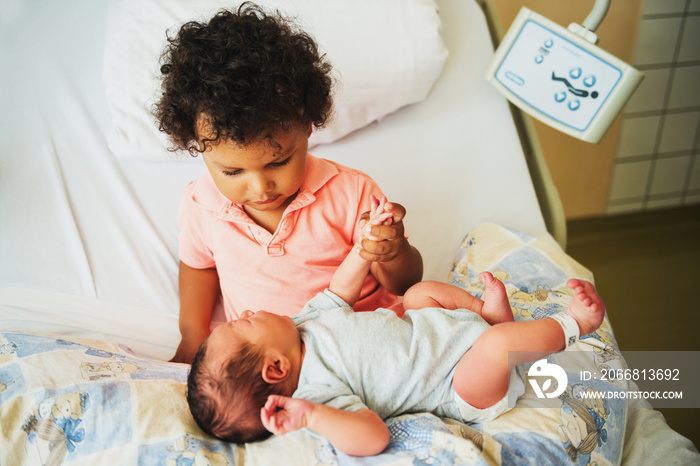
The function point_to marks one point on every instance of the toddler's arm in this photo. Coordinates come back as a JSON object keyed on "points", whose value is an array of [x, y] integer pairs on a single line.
{"points": [[395, 263], [350, 275], [199, 291], [356, 433]]}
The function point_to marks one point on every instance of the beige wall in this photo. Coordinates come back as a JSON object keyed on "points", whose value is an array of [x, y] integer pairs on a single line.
{"points": [[581, 171], [658, 159]]}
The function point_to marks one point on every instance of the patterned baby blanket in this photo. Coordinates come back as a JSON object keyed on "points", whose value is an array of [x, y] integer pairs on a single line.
{"points": [[66, 400]]}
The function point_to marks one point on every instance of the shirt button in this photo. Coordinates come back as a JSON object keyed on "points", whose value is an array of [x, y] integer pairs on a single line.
{"points": [[275, 249]]}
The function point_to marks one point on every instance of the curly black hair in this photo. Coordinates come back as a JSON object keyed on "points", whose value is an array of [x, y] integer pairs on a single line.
{"points": [[225, 402], [247, 73]]}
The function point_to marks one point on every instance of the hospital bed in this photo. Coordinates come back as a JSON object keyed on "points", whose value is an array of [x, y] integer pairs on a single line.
{"points": [[88, 235]]}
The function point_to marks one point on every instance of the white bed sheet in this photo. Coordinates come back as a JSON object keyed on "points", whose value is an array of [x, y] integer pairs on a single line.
{"points": [[76, 221]]}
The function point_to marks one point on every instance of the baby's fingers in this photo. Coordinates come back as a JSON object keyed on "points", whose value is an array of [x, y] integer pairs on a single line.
{"points": [[267, 419], [385, 218], [272, 402], [269, 408], [377, 208], [270, 416], [374, 203], [397, 210]]}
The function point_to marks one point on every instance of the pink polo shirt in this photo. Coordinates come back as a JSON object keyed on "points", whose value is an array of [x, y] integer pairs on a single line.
{"points": [[279, 272]]}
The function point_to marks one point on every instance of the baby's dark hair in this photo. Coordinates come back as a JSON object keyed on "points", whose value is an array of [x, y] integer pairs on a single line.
{"points": [[226, 401], [246, 74]]}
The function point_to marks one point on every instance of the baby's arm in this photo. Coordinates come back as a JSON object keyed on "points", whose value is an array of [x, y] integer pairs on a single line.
{"points": [[356, 433], [350, 275]]}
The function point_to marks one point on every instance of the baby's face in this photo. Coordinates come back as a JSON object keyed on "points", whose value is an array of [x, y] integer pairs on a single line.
{"points": [[261, 328]]}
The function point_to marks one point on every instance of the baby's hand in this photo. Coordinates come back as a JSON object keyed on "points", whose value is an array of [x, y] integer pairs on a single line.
{"points": [[282, 414], [377, 216], [383, 234]]}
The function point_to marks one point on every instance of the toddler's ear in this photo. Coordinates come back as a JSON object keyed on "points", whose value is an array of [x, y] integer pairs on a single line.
{"points": [[276, 369]]}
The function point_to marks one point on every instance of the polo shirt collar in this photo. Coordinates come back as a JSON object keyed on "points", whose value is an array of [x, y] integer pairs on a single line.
{"points": [[318, 172]]}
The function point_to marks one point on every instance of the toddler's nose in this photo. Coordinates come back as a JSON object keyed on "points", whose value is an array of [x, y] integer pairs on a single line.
{"points": [[245, 314], [261, 185]]}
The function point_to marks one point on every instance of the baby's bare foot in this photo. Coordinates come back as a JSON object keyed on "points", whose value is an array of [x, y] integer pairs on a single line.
{"points": [[496, 307], [587, 308]]}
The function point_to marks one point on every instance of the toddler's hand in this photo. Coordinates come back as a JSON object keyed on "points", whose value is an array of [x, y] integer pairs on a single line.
{"points": [[282, 414], [382, 229]]}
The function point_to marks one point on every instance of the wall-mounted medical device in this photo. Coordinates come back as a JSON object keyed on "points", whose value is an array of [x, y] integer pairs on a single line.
{"points": [[560, 76]]}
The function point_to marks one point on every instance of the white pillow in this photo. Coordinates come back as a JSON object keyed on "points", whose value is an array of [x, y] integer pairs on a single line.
{"points": [[386, 54]]}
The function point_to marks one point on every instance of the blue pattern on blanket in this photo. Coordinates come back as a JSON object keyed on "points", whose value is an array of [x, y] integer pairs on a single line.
{"points": [[529, 268], [65, 399], [28, 345], [421, 440], [415, 435], [522, 447], [72, 421], [12, 382], [186, 450]]}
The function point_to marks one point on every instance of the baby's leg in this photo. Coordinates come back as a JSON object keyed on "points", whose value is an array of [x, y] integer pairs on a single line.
{"points": [[481, 377], [496, 305], [430, 293], [494, 309]]}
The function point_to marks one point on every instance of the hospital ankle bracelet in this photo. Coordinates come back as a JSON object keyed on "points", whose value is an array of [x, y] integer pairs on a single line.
{"points": [[569, 325]]}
